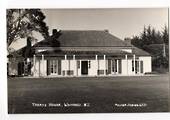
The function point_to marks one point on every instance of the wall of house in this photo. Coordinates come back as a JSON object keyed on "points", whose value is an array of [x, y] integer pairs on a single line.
{"points": [[73, 67], [130, 67], [95, 65], [40, 68], [93, 68], [102, 64], [69, 65], [43, 67], [147, 63], [36, 68], [125, 67], [13, 68], [79, 69], [64, 66]]}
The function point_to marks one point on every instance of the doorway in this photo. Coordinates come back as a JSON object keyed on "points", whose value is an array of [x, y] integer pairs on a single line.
{"points": [[84, 67]]}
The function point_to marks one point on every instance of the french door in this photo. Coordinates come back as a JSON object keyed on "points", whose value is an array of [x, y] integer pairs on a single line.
{"points": [[138, 68], [116, 66], [53, 67]]}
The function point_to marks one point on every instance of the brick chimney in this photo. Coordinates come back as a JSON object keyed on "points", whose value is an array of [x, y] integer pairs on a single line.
{"points": [[56, 33], [127, 40], [29, 42], [106, 30]]}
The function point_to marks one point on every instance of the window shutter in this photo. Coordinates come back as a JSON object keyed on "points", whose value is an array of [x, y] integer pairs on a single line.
{"points": [[48, 67], [89, 64], [109, 66], [59, 67], [141, 66], [120, 66]]}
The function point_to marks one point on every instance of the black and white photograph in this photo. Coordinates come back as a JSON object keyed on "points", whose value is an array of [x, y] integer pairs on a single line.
{"points": [[101, 60]]}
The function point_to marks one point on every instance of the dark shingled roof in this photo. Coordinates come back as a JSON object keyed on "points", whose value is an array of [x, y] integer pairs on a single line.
{"points": [[88, 38], [139, 52], [85, 42]]}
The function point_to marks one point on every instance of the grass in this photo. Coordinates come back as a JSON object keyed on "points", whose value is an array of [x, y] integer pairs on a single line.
{"points": [[101, 92]]}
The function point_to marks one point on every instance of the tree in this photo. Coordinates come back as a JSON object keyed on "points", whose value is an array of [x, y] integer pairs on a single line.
{"points": [[156, 43], [149, 36], [136, 41], [165, 35], [158, 38], [22, 22], [143, 36]]}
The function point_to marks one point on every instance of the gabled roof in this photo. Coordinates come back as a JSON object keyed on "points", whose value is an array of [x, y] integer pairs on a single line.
{"points": [[92, 50], [85, 38]]}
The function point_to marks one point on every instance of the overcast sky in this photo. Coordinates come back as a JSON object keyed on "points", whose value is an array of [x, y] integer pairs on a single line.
{"points": [[120, 22]]}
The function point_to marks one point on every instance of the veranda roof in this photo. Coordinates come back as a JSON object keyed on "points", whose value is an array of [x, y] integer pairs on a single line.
{"points": [[88, 52]]}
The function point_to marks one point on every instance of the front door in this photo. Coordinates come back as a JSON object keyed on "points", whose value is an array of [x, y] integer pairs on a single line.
{"points": [[84, 67]]}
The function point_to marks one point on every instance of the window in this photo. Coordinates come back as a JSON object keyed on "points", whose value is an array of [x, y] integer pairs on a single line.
{"points": [[70, 72], [63, 72], [100, 72]]}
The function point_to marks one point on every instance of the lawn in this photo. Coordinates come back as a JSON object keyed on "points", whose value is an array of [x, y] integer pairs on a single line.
{"points": [[92, 94]]}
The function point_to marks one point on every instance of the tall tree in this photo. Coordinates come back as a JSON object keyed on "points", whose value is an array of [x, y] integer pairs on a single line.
{"points": [[22, 22], [144, 34], [165, 35], [149, 35], [156, 43], [136, 41]]}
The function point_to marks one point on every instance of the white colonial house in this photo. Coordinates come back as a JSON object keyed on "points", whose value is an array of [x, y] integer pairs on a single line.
{"points": [[83, 53]]}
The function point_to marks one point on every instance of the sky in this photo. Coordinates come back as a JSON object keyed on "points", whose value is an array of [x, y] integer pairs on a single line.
{"points": [[122, 22]]}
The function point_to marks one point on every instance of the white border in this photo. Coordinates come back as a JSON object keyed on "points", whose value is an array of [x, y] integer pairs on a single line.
{"points": [[85, 3], [67, 4]]}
